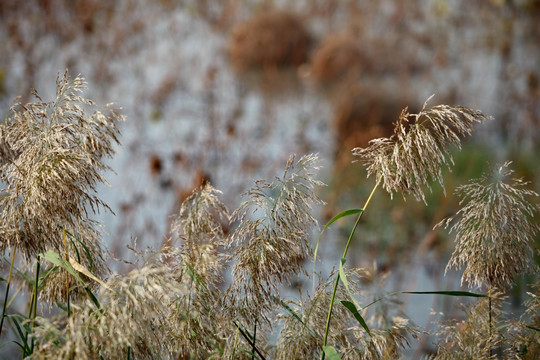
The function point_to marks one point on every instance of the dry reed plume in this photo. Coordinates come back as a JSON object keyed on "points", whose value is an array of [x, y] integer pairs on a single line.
{"points": [[494, 234], [271, 241], [135, 318], [178, 305], [199, 225], [301, 338], [51, 162], [419, 148], [475, 337]]}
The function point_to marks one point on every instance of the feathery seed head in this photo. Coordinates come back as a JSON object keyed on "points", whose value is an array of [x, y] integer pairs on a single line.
{"points": [[494, 231], [199, 225], [272, 239], [135, 316], [302, 340], [476, 336], [51, 162], [419, 148]]}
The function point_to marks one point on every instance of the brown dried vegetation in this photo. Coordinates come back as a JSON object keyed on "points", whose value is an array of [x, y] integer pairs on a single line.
{"points": [[336, 59], [271, 39]]}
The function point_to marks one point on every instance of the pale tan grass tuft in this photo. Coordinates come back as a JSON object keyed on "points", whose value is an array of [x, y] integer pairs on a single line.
{"points": [[494, 232], [136, 317], [419, 148], [524, 332], [271, 241], [51, 162], [302, 340], [199, 225], [477, 337]]}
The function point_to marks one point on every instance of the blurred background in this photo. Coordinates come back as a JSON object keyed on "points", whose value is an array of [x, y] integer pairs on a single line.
{"points": [[226, 90]]}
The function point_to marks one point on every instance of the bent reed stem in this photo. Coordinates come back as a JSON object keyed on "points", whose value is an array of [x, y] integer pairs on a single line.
{"points": [[336, 283]]}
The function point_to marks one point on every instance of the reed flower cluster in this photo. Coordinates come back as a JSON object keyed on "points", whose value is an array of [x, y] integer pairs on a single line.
{"points": [[271, 241], [199, 225], [419, 149], [494, 232], [133, 319], [304, 325], [52, 160], [474, 337], [524, 331], [179, 304]]}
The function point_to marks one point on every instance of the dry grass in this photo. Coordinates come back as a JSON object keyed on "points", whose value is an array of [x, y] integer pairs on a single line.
{"points": [[271, 39], [271, 241], [338, 58], [419, 148], [494, 221], [302, 339], [52, 160], [475, 337], [176, 304]]}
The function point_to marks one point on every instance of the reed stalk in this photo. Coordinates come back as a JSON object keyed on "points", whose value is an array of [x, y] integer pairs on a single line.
{"points": [[336, 283]]}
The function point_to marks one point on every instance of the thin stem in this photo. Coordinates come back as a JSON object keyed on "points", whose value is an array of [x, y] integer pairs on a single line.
{"points": [[254, 339], [336, 283], [490, 325], [33, 305], [36, 287], [67, 275], [4, 307]]}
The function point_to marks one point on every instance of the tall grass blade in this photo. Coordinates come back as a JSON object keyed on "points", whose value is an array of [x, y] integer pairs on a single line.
{"points": [[349, 241], [448, 293], [250, 340], [22, 335], [4, 306], [351, 306], [290, 310], [56, 259], [331, 353], [342, 214]]}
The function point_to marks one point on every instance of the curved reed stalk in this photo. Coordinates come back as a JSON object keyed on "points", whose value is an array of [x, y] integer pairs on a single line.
{"points": [[413, 155]]}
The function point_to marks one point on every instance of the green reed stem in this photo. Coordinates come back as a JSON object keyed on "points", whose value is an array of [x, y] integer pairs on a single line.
{"points": [[336, 283], [4, 307], [490, 326], [254, 339], [67, 275], [33, 305]]}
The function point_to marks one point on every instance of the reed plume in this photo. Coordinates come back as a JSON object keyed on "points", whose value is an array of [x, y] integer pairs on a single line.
{"points": [[476, 336], [304, 326], [134, 318], [494, 230], [199, 225], [52, 160], [419, 149], [271, 240]]}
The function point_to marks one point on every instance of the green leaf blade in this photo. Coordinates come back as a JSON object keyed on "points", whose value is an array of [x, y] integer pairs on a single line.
{"points": [[331, 353], [57, 260], [352, 308], [342, 214], [447, 293]]}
